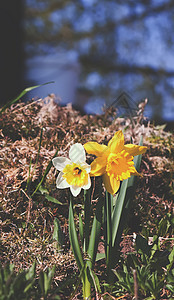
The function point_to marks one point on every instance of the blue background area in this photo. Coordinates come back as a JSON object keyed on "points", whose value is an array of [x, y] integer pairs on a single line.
{"points": [[94, 51]]}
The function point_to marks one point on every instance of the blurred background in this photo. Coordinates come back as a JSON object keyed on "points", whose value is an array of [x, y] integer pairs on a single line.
{"points": [[95, 51]]}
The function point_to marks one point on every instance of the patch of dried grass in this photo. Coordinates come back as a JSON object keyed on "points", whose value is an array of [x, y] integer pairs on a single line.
{"points": [[62, 126]]}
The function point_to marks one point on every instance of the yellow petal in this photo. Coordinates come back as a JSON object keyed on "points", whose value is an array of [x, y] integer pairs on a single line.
{"points": [[111, 184], [95, 148], [134, 172], [134, 149], [116, 144], [98, 166]]}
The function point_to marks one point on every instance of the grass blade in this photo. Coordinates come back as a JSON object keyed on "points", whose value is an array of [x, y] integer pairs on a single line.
{"points": [[44, 175], [74, 239], [54, 200], [8, 104]]}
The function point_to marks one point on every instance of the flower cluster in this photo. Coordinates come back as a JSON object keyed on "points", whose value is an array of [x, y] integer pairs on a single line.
{"points": [[113, 162]]}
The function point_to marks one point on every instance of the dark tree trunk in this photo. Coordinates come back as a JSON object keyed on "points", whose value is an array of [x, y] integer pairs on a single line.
{"points": [[11, 49]]}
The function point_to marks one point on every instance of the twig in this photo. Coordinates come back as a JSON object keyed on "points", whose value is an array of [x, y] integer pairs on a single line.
{"points": [[113, 296], [135, 285]]}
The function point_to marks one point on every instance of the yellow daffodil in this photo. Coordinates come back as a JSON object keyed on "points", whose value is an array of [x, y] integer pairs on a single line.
{"points": [[115, 161], [74, 172]]}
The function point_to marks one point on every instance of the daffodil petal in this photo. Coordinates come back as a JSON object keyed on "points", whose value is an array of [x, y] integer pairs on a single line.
{"points": [[88, 185], [111, 184], [86, 167], [60, 162], [134, 172], [75, 190], [98, 166], [95, 148], [61, 183], [135, 149], [116, 144], [77, 153]]}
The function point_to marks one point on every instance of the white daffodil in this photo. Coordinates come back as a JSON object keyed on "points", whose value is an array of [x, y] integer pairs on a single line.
{"points": [[74, 171]]}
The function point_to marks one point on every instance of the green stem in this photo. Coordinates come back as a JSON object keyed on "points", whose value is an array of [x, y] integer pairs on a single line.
{"points": [[109, 249], [108, 228], [86, 286], [87, 216], [96, 230]]}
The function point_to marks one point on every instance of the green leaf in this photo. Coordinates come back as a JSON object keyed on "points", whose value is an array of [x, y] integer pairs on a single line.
{"points": [[95, 281], [100, 256], [114, 200], [132, 261], [8, 104], [137, 158], [119, 275], [57, 233], [43, 190], [31, 272], [8, 271], [108, 226], [163, 227], [81, 228], [45, 174], [18, 283], [118, 210], [160, 260], [54, 200], [45, 279], [49, 277], [87, 217], [142, 244], [171, 260], [74, 239], [95, 231], [30, 277], [171, 256], [41, 282]]}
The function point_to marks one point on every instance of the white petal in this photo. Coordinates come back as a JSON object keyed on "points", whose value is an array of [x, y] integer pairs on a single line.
{"points": [[86, 167], [75, 190], [88, 185], [61, 183], [77, 153], [60, 162]]}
